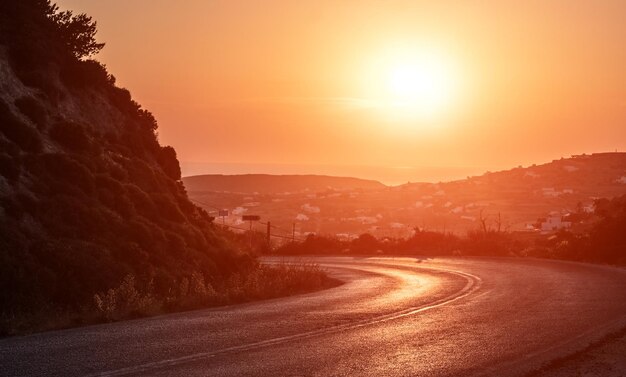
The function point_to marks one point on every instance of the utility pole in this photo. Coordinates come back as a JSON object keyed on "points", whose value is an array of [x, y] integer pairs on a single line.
{"points": [[293, 233], [250, 218], [268, 234], [223, 213]]}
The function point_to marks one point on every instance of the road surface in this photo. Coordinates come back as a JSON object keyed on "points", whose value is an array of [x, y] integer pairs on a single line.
{"points": [[392, 317]]}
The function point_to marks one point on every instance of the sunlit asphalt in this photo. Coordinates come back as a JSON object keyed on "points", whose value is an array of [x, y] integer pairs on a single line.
{"points": [[392, 317]]}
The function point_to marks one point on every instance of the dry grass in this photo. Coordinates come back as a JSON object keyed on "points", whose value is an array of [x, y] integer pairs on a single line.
{"points": [[194, 292], [134, 300]]}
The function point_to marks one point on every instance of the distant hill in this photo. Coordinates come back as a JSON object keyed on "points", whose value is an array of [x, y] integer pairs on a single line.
{"points": [[597, 174], [516, 198], [267, 184]]}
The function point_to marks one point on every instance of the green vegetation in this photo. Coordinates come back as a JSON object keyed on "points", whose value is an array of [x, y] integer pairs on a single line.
{"points": [[95, 223]]}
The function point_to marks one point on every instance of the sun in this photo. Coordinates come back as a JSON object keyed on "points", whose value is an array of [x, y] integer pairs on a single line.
{"points": [[419, 84], [413, 84], [422, 84]]}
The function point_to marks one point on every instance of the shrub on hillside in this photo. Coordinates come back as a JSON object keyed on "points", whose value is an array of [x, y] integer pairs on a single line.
{"points": [[10, 168], [147, 120], [66, 170], [82, 74], [38, 79], [121, 98], [17, 131], [141, 201], [167, 208], [169, 163], [33, 110], [112, 194], [143, 174], [70, 135]]}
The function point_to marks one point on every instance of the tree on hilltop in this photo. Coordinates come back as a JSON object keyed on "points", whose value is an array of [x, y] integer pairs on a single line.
{"points": [[78, 32]]}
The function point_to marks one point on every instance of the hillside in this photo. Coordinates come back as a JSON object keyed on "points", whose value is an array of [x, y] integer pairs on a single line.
{"points": [[274, 184], [90, 202], [514, 198]]}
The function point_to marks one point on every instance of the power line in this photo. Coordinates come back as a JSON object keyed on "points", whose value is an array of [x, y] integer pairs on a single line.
{"points": [[206, 204], [276, 227], [260, 222], [257, 231]]}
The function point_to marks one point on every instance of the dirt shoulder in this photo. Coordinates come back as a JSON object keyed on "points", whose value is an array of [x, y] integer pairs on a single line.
{"points": [[605, 358]]}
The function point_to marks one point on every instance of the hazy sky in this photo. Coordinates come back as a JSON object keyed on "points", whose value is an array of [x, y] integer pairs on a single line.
{"points": [[354, 87]]}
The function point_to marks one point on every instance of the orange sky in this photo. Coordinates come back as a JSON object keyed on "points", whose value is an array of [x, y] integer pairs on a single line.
{"points": [[302, 87]]}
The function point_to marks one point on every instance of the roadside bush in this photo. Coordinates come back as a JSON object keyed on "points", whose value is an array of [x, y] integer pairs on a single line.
{"points": [[428, 242], [313, 244], [365, 243], [125, 301], [489, 242]]}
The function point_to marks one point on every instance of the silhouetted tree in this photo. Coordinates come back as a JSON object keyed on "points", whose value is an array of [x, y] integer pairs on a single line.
{"points": [[366, 243], [607, 237], [77, 31]]}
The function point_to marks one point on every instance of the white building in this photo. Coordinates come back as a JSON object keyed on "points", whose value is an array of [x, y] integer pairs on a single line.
{"points": [[553, 223]]}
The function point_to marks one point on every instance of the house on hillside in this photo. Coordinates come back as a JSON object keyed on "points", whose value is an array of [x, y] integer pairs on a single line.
{"points": [[553, 223], [550, 192]]}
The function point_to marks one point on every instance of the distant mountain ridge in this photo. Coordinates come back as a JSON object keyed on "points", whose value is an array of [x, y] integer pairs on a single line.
{"points": [[589, 172], [590, 175], [518, 197], [267, 183]]}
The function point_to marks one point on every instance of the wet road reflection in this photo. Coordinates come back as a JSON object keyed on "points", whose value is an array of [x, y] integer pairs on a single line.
{"points": [[392, 317]]}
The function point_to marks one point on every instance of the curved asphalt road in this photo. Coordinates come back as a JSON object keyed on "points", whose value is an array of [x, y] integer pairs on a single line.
{"points": [[392, 317]]}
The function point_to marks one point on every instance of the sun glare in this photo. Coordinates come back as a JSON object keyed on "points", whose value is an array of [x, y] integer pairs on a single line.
{"points": [[423, 85], [414, 85]]}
